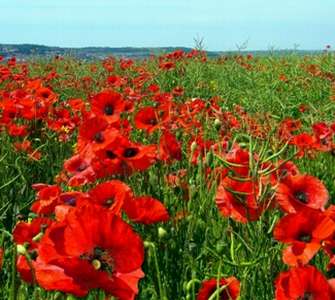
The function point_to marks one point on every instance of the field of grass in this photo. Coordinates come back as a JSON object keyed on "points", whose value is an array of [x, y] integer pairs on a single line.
{"points": [[176, 177]]}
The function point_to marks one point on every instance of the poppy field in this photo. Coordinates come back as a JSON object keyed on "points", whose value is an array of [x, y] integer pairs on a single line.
{"points": [[173, 177]]}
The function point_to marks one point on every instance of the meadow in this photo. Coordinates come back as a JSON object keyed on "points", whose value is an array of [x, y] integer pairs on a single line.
{"points": [[174, 177]]}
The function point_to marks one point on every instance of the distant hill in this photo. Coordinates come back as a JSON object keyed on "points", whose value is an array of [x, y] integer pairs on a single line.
{"points": [[24, 51]]}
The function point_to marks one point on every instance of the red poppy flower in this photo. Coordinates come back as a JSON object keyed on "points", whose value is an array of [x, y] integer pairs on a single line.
{"points": [[112, 195], [80, 169], [323, 135], [321, 130], [116, 81], [239, 160], [146, 210], [25, 270], [109, 104], [24, 146], [17, 130], [302, 283], [329, 245], [150, 118], [147, 119], [238, 200], [304, 142], [52, 277], [107, 162], [153, 88], [33, 108], [70, 198], [304, 232], [288, 127], [199, 148], [178, 91], [134, 157], [76, 104], [46, 200], [331, 283], [46, 94], [169, 147], [91, 131], [168, 65], [301, 191], [164, 101], [285, 170], [126, 63], [28, 233], [96, 249], [229, 289]]}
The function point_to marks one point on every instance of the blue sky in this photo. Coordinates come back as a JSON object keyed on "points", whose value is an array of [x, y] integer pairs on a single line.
{"points": [[144, 23]]}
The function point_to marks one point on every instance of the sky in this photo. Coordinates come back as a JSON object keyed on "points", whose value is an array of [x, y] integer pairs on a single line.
{"points": [[222, 24]]}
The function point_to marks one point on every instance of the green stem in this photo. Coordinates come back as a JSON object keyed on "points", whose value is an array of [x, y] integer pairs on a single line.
{"points": [[159, 279], [13, 294]]}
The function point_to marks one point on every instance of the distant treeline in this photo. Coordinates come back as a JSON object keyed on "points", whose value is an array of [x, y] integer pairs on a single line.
{"points": [[29, 50]]}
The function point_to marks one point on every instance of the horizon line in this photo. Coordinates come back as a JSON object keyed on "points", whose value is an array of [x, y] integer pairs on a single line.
{"points": [[269, 49]]}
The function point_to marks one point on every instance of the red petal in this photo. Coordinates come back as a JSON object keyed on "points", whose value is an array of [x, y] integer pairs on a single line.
{"points": [[146, 210]]}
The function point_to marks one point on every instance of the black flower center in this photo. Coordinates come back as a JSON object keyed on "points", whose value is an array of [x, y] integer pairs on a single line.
{"points": [[301, 196], [110, 154], [130, 152], [98, 137], [33, 254], [283, 173], [306, 296], [152, 122], [109, 110], [305, 237], [81, 167], [108, 203], [100, 259], [70, 201], [44, 94], [38, 105]]}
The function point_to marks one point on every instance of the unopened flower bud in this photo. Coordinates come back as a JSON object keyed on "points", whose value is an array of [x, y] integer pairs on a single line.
{"points": [[217, 124], [37, 237], [193, 146], [209, 158], [161, 232], [20, 249], [146, 244]]}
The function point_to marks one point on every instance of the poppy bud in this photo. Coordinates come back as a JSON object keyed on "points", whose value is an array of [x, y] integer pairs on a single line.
{"points": [[209, 158], [147, 244], [217, 124], [193, 146], [20, 249], [37, 237], [162, 232]]}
